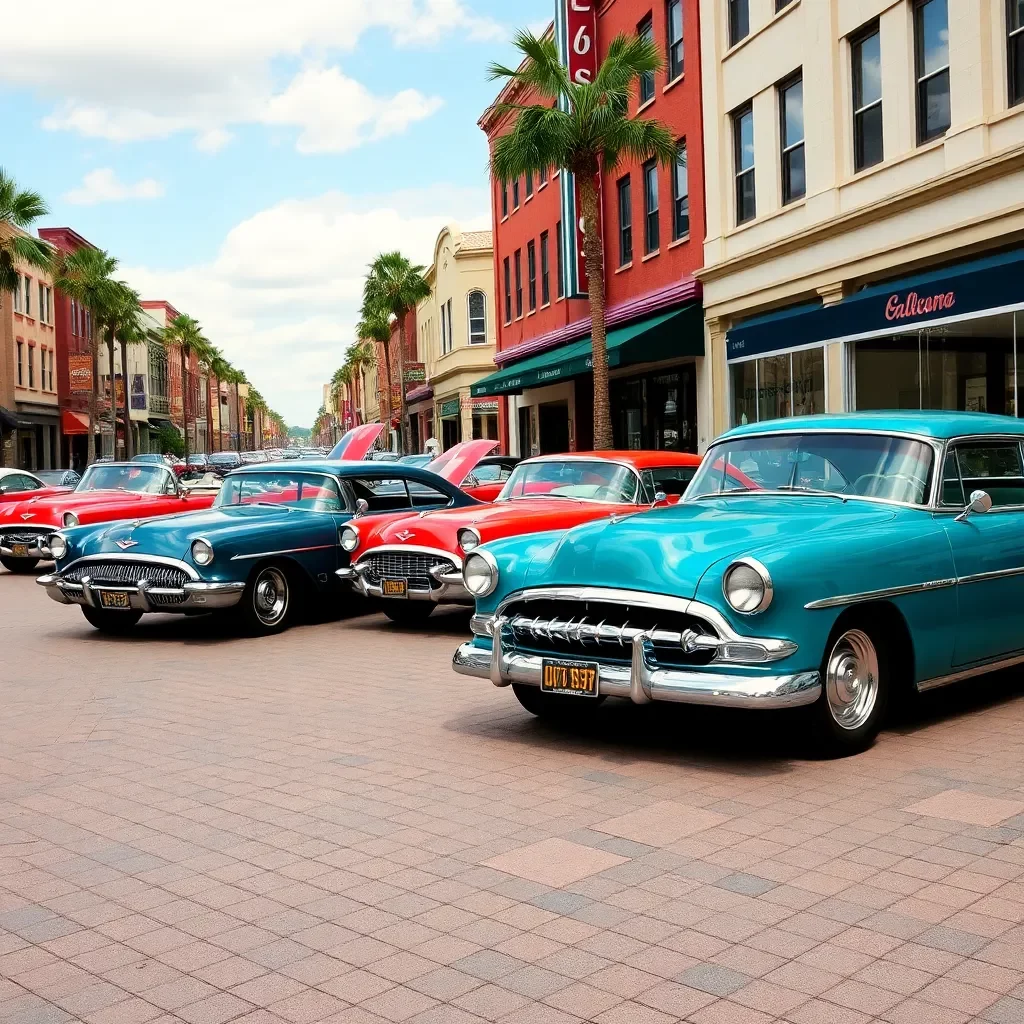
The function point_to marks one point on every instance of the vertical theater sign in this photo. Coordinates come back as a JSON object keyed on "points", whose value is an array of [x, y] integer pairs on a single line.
{"points": [[576, 38]]}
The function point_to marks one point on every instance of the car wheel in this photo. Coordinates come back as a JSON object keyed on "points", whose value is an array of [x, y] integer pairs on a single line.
{"points": [[20, 566], [111, 623], [555, 706], [267, 601], [856, 679], [409, 613]]}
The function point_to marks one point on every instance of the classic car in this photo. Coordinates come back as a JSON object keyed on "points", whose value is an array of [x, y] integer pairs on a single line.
{"points": [[108, 491], [269, 543], [832, 563], [18, 484], [68, 478], [487, 481], [415, 563]]}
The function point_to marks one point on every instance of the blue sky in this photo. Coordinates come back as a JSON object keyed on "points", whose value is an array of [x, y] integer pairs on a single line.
{"points": [[245, 160]]}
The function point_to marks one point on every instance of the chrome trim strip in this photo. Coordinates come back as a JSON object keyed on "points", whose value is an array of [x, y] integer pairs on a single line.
{"points": [[968, 673], [174, 563], [448, 556], [283, 551], [879, 595], [995, 574]]}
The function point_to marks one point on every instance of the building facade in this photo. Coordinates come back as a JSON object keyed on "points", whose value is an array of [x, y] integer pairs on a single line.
{"points": [[865, 206], [457, 340], [653, 227], [414, 378]]}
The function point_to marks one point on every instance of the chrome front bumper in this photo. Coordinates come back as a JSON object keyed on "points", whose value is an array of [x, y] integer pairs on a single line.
{"points": [[450, 588], [37, 550], [192, 596]]}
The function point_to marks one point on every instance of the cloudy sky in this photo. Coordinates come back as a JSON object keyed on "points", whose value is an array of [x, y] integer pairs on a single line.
{"points": [[245, 159]]}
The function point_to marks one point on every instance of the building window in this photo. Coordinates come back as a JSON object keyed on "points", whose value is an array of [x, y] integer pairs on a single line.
{"points": [[781, 5], [545, 270], [931, 61], [519, 283], [477, 318], [31, 368], [743, 158], [74, 318], [451, 330], [28, 295], [17, 293], [543, 176], [515, 194], [651, 234], [776, 386], [1015, 39], [625, 222], [791, 111], [21, 364], [504, 199], [42, 302], [680, 194], [529, 184], [645, 30], [739, 20], [508, 291], [444, 333], [531, 272], [559, 262], [675, 39], [866, 54]]}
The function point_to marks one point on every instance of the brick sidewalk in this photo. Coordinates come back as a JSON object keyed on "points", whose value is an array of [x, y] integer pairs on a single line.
{"points": [[331, 826]]}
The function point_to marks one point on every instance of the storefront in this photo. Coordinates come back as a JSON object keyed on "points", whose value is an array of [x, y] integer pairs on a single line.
{"points": [[652, 369], [449, 414], [946, 339]]}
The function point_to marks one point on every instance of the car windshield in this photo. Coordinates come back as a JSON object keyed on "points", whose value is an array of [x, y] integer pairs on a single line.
{"points": [[53, 477], [224, 457], [855, 465], [591, 479], [295, 490], [135, 476], [156, 459]]}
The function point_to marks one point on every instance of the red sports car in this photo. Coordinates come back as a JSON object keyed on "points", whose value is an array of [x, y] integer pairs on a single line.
{"points": [[415, 562], [18, 484]]}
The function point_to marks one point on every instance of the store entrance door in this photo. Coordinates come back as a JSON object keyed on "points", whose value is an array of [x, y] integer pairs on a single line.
{"points": [[554, 427], [450, 433]]}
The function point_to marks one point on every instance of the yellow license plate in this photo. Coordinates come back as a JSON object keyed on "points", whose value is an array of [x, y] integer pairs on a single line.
{"points": [[575, 678], [108, 600], [394, 588], [19, 550]]}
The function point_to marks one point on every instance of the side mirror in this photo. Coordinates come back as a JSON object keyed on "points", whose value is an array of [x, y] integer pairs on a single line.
{"points": [[362, 506], [660, 498], [980, 503]]}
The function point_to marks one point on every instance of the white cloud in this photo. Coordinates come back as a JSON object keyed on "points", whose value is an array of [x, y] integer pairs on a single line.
{"points": [[117, 75], [103, 186], [282, 296]]}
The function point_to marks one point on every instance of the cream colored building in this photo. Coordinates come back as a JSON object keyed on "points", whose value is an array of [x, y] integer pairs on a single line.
{"points": [[865, 207], [456, 338]]}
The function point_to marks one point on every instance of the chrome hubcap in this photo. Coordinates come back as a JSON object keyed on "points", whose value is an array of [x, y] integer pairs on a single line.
{"points": [[851, 679], [270, 596]]}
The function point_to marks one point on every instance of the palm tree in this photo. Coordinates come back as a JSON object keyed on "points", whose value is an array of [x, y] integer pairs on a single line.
{"points": [[84, 275], [375, 326], [238, 378], [186, 333], [220, 369], [396, 285], [360, 355], [590, 135], [258, 405], [123, 317]]}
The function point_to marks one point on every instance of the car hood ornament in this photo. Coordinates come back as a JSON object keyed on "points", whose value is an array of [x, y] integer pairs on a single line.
{"points": [[126, 543], [404, 535], [28, 515]]}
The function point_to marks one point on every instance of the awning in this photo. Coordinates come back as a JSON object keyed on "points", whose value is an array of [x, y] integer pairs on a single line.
{"points": [[667, 336], [972, 288], [72, 423], [10, 421], [158, 423]]}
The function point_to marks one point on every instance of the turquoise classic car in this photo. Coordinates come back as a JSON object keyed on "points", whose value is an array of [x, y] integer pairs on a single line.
{"points": [[829, 563], [269, 542]]}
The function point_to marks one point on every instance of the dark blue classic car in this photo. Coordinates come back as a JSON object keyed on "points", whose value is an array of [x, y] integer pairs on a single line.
{"points": [[269, 541]]}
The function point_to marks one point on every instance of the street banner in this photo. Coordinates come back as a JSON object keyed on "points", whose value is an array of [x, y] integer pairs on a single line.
{"points": [[80, 372]]}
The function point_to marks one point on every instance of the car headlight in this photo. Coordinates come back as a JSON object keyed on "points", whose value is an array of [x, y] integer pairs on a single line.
{"points": [[480, 573], [202, 552], [747, 586], [469, 539], [58, 546], [348, 538], [69, 520]]}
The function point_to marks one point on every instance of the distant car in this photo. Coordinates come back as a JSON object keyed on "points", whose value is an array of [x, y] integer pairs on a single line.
{"points": [[419, 461], [384, 457], [289, 454], [198, 461], [59, 477], [223, 462], [154, 458], [16, 484]]}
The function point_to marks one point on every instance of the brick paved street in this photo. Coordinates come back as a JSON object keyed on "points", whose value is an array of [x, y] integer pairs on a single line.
{"points": [[331, 826]]}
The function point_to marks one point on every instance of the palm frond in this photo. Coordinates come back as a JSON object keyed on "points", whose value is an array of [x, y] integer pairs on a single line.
{"points": [[637, 139], [541, 70]]}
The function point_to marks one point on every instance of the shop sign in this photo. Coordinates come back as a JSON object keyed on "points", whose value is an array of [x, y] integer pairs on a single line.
{"points": [[484, 404], [80, 372], [450, 408], [913, 306], [415, 373]]}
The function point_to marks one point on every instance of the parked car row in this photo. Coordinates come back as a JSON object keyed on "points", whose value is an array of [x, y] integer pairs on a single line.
{"points": [[828, 565]]}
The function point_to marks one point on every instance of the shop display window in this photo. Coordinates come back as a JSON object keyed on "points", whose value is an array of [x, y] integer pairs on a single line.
{"points": [[778, 386]]}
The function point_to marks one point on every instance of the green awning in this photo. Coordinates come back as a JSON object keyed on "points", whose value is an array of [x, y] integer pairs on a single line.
{"points": [[666, 336]]}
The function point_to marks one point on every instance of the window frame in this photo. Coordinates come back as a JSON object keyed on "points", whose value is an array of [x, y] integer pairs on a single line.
{"points": [[517, 262], [921, 79], [515, 195], [28, 296], [508, 290], [528, 185], [734, 6], [673, 45], [31, 367], [623, 187], [857, 41], [646, 89], [781, 5], [559, 263], [470, 318], [21, 363], [545, 269], [652, 217], [1014, 68], [680, 198], [542, 177], [504, 200], [786, 150], [739, 171], [444, 334], [531, 275]]}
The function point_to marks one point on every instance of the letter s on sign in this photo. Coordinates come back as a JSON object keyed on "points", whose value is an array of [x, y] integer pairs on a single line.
{"points": [[583, 77], [582, 43]]}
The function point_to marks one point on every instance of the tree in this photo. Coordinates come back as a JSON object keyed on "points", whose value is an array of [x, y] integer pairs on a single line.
{"points": [[360, 355], [185, 333], [220, 369], [375, 326], [84, 275], [396, 285], [590, 136], [123, 317]]}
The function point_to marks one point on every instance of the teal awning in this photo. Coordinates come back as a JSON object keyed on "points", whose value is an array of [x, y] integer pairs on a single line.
{"points": [[666, 336]]}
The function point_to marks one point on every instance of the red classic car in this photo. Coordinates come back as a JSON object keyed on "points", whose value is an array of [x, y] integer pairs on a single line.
{"points": [[415, 562], [18, 484]]}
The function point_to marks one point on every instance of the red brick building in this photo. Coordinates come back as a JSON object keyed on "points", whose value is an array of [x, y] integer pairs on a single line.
{"points": [[414, 427], [653, 219]]}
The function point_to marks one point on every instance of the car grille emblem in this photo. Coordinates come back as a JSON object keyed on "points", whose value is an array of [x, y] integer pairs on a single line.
{"points": [[124, 545], [405, 535], [28, 515]]}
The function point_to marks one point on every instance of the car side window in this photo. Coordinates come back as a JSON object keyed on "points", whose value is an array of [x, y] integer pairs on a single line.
{"points": [[20, 482], [170, 485], [424, 496], [995, 467], [381, 494], [671, 481]]}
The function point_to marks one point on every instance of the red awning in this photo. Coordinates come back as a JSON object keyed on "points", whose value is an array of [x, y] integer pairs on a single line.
{"points": [[73, 422]]}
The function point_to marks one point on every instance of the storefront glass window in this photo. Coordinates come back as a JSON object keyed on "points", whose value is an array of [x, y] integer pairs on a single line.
{"points": [[778, 386], [656, 410]]}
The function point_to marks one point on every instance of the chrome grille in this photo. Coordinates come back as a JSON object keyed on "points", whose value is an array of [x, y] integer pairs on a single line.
{"points": [[413, 566], [27, 534], [165, 600], [603, 631], [128, 573]]}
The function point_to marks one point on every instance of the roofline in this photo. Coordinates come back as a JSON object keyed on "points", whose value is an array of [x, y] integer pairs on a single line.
{"points": [[71, 232]]}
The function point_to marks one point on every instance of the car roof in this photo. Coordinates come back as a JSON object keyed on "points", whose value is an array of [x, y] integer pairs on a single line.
{"points": [[936, 424], [636, 459], [8, 471], [364, 467]]}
